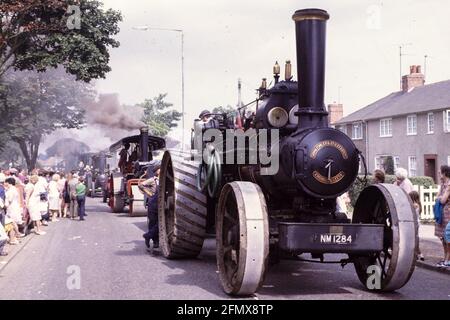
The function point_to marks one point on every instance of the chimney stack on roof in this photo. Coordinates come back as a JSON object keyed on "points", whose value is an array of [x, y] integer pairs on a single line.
{"points": [[414, 79], [335, 112]]}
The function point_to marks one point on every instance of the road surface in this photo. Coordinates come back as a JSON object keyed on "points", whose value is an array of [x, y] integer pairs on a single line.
{"points": [[104, 257]]}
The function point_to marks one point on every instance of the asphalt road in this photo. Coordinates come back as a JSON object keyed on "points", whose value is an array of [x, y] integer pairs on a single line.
{"points": [[108, 253]]}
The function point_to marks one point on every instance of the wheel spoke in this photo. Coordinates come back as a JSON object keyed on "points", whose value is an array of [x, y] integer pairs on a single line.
{"points": [[382, 265], [388, 254], [385, 260]]}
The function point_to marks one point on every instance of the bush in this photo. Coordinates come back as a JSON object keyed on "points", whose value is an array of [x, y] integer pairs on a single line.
{"points": [[423, 181], [356, 189], [358, 185]]}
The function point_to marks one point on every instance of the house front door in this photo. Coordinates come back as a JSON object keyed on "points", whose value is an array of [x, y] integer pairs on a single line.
{"points": [[430, 161]]}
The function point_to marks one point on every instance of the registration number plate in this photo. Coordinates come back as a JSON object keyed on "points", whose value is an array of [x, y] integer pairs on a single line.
{"points": [[328, 238]]}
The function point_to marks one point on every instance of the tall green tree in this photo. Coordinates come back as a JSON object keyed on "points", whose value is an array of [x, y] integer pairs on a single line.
{"points": [[37, 104], [11, 155], [158, 116], [38, 34]]}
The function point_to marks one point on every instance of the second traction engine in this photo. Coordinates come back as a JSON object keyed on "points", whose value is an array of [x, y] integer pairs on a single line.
{"points": [[259, 215]]}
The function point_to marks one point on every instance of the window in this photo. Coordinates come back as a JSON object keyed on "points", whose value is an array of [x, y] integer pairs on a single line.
{"points": [[412, 166], [343, 128], [386, 128], [396, 162], [387, 163], [357, 131], [446, 116], [379, 163], [411, 125], [430, 122]]}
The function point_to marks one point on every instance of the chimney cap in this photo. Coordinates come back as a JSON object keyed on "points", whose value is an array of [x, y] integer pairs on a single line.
{"points": [[415, 69]]}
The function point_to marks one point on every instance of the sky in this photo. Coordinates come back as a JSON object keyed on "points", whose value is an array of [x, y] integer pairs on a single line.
{"points": [[229, 39]]}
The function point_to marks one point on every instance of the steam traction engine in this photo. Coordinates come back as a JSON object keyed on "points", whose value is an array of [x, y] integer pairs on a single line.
{"points": [[136, 155], [96, 178], [293, 211]]}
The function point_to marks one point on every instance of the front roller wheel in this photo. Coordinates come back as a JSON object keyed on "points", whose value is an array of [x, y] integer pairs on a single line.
{"points": [[181, 207], [242, 236], [388, 205]]}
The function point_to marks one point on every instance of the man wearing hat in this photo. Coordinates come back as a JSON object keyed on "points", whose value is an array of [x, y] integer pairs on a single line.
{"points": [[150, 188], [205, 115]]}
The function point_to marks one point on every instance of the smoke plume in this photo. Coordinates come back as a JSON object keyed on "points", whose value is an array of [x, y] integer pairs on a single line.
{"points": [[108, 112]]}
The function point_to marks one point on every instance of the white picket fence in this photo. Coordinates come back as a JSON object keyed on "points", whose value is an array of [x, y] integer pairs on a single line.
{"points": [[427, 198]]}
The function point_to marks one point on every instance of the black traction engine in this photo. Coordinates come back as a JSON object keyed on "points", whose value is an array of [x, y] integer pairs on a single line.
{"points": [[267, 187]]}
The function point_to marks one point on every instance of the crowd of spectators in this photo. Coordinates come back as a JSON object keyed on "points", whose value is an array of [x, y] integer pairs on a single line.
{"points": [[30, 201]]}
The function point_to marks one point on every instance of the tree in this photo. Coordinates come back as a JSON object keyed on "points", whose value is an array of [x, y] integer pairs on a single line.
{"points": [[12, 155], [37, 104], [157, 116], [69, 150], [37, 34]]}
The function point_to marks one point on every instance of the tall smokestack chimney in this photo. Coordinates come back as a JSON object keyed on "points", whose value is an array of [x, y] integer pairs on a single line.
{"points": [[144, 144], [310, 26]]}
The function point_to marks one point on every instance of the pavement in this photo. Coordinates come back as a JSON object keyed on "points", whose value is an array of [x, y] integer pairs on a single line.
{"points": [[104, 257], [431, 248]]}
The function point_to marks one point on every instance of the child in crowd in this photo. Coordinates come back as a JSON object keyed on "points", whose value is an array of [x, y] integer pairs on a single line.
{"points": [[415, 197]]}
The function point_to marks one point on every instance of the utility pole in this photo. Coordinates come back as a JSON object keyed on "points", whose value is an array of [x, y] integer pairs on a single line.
{"points": [[401, 55], [147, 28]]}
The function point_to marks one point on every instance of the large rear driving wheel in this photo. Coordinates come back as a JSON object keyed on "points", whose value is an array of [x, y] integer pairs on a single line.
{"points": [[181, 207]]}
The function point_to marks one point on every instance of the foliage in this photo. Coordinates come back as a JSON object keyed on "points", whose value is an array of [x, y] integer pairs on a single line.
{"points": [[157, 116], [36, 104], [423, 181], [69, 150], [35, 35], [358, 185], [11, 155]]}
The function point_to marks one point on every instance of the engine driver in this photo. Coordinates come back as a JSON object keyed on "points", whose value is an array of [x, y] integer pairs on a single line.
{"points": [[205, 116], [123, 157]]}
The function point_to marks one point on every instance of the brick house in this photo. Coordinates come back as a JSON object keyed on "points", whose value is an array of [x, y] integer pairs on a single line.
{"points": [[412, 126]]}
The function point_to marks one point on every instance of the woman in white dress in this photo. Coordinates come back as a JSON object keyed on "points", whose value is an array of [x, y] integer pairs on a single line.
{"points": [[54, 204], [13, 209], [34, 203]]}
